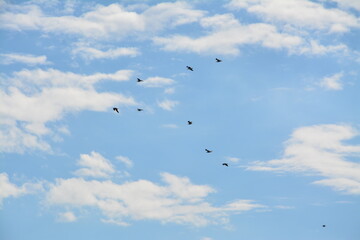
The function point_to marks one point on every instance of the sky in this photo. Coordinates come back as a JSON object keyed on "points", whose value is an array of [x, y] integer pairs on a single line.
{"points": [[280, 109]]}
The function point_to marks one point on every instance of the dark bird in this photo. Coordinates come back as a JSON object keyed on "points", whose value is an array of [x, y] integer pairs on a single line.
{"points": [[189, 122], [140, 109], [225, 164], [208, 151], [116, 109], [324, 225], [139, 80], [218, 60], [190, 68]]}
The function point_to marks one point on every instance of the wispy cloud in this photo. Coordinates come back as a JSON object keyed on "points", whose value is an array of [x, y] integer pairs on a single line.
{"points": [[332, 82], [348, 4], [125, 160], [233, 159], [224, 33], [91, 53], [10, 58], [168, 104], [284, 207], [176, 201], [102, 22], [8, 189], [169, 91], [94, 165], [33, 98], [319, 150], [225, 36], [206, 238], [156, 82], [66, 217], [300, 13]]}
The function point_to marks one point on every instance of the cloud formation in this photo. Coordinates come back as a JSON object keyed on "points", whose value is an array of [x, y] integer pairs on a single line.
{"points": [[102, 22], [300, 13], [94, 165], [66, 217], [226, 34], [177, 200], [167, 104], [318, 150], [223, 34], [8, 189], [157, 82], [125, 160], [31, 99], [10, 58], [332, 82], [91, 53]]}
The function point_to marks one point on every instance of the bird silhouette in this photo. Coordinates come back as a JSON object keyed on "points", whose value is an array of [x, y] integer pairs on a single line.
{"points": [[208, 151], [324, 225], [218, 60], [140, 109], [116, 109], [139, 80], [190, 68], [189, 122], [225, 164]]}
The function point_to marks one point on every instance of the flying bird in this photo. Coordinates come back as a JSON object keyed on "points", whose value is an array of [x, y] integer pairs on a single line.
{"points": [[225, 164], [324, 225], [208, 151], [140, 109], [116, 109], [218, 60], [190, 68], [139, 80], [189, 122]]}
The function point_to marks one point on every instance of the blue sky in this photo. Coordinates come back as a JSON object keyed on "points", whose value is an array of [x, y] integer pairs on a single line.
{"points": [[280, 109]]}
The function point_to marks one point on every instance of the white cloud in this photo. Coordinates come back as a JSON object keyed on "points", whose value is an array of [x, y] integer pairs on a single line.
{"points": [[348, 3], [314, 48], [284, 207], [102, 22], [300, 13], [16, 139], [184, 189], [54, 78], [156, 82], [168, 104], [94, 165], [226, 35], [319, 150], [165, 15], [332, 82], [233, 159], [8, 189], [10, 58], [91, 53], [66, 217], [34, 98], [177, 201], [116, 222], [125, 160], [169, 90]]}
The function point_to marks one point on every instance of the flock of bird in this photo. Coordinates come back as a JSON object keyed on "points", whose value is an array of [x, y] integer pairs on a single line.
{"points": [[189, 122]]}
